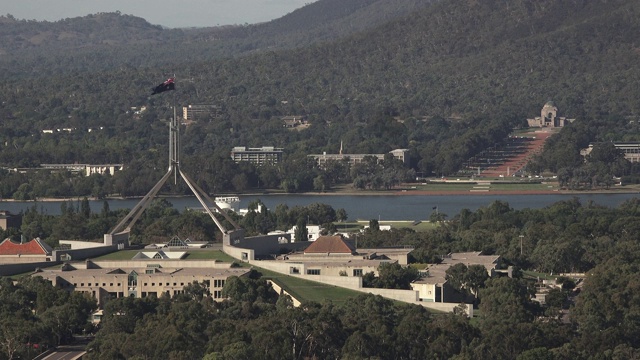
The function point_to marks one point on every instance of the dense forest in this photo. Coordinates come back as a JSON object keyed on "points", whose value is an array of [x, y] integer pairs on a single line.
{"points": [[434, 81]]}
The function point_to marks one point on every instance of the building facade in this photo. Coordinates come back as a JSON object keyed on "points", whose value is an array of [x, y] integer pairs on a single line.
{"points": [[257, 156], [549, 117], [631, 150], [86, 169], [323, 159], [200, 112], [140, 278]]}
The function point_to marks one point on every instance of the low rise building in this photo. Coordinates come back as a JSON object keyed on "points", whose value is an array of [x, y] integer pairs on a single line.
{"points": [[200, 112], [257, 156], [34, 250], [292, 121], [433, 287], [324, 158], [140, 278], [631, 150], [86, 169]]}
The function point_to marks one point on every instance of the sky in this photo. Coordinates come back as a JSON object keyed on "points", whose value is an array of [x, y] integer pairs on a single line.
{"points": [[169, 13]]}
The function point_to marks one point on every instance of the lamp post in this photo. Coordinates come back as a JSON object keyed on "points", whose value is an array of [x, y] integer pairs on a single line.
{"points": [[521, 236]]}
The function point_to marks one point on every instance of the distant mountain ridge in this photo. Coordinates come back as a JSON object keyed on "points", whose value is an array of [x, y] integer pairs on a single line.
{"points": [[319, 21], [91, 30]]}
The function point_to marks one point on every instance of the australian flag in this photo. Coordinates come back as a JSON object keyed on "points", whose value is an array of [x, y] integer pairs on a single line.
{"points": [[165, 86]]}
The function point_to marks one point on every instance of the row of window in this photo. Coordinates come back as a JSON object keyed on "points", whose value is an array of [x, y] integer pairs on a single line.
{"points": [[356, 272], [216, 283]]}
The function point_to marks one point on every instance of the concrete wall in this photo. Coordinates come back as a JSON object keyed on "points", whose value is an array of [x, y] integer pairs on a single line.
{"points": [[281, 292], [81, 254], [447, 307], [121, 239], [14, 269], [110, 264], [285, 268], [409, 296], [80, 244], [238, 253], [426, 292], [21, 259]]}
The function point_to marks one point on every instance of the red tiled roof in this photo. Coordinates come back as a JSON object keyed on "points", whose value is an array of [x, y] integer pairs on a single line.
{"points": [[329, 244], [33, 247]]}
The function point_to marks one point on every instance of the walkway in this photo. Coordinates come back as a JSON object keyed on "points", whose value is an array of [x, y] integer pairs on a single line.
{"points": [[513, 157]]}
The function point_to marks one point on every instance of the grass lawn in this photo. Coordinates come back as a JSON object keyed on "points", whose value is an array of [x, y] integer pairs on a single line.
{"points": [[306, 290], [119, 255], [18, 276], [209, 255]]}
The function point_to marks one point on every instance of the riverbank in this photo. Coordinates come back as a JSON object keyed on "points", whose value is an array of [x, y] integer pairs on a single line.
{"points": [[438, 190], [377, 205]]}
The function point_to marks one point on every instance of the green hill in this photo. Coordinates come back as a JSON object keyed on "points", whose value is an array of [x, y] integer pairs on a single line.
{"points": [[445, 81]]}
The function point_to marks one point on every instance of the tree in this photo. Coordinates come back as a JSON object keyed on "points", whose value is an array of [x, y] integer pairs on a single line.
{"points": [[301, 233], [374, 225], [475, 278], [437, 216], [456, 276], [341, 215], [505, 300], [395, 276], [85, 209]]}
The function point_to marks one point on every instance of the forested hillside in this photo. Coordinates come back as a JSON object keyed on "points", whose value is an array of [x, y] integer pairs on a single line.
{"points": [[446, 81]]}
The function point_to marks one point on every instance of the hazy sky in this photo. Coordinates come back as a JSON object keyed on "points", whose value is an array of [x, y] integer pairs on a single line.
{"points": [[171, 13]]}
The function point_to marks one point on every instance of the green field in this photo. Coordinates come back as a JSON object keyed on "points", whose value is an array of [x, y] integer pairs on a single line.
{"points": [[208, 255], [305, 290]]}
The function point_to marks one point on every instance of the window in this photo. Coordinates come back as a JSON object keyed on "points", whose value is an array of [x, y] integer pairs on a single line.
{"points": [[153, 284], [357, 272], [313, 271], [110, 284], [218, 283], [217, 294], [81, 284], [181, 284], [133, 279], [148, 271], [145, 284], [294, 270]]}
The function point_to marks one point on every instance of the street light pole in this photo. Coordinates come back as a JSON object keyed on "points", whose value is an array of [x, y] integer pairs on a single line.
{"points": [[521, 236]]}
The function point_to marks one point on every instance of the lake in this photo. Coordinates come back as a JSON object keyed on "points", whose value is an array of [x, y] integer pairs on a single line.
{"points": [[362, 207]]}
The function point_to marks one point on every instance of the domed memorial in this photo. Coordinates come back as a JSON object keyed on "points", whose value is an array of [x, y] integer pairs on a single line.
{"points": [[549, 117]]}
